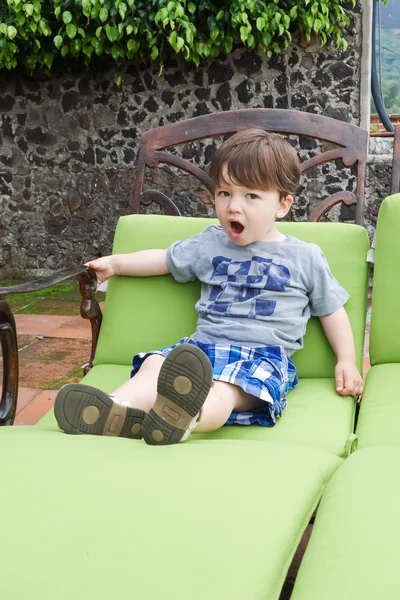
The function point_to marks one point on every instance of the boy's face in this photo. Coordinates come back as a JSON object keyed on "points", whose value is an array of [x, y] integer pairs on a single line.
{"points": [[248, 215]]}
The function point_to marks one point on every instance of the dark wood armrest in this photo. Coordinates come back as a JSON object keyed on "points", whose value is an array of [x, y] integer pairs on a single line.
{"points": [[44, 282], [9, 347]]}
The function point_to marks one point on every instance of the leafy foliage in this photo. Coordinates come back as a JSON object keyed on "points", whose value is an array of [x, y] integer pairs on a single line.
{"points": [[36, 32]]}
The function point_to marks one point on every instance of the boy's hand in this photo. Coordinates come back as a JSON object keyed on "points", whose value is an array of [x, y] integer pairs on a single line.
{"points": [[103, 267], [348, 380]]}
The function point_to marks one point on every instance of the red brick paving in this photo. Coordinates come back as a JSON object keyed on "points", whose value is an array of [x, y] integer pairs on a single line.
{"points": [[52, 350], [37, 408]]}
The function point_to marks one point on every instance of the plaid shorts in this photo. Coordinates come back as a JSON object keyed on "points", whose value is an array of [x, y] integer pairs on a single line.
{"points": [[265, 372]]}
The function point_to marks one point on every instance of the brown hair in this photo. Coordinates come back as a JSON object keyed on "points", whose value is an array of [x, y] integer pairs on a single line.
{"points": [[258, 159]]}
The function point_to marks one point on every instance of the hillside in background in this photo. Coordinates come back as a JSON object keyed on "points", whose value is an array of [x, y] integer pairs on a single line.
{"points": [[389, 60]]}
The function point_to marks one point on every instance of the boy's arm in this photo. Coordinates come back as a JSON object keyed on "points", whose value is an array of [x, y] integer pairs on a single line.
{"points": [[140, 264], [338, 331]]}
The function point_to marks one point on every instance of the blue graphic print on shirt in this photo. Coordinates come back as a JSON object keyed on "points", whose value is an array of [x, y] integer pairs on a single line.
{"points": [[242, 281]]}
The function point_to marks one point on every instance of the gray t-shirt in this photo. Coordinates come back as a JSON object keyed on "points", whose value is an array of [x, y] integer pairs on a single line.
{"points": [[257, 295]]}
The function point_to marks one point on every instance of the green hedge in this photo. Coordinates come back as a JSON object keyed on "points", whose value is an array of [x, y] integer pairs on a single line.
{"points": [[35, 33]]}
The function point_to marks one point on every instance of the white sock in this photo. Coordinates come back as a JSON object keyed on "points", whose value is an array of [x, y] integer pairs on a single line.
{"points": [[120, 402], [192, 425]]}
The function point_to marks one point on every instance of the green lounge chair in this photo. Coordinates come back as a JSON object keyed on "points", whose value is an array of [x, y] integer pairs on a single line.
{"points": [[93, 517], [354, 548]]}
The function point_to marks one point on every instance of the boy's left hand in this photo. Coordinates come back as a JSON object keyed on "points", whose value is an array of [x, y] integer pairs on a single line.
{"points": [[348, 380]]}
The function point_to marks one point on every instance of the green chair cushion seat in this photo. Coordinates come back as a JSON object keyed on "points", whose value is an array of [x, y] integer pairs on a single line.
{"points": [[353, 552], [98, 518], [315, 416], [379, 418], [385, 322]]}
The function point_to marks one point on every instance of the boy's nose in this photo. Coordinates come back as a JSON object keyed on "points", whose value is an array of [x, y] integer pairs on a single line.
{"points": [[235, 205]]}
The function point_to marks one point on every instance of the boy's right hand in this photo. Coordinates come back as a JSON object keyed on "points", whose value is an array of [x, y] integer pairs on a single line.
{"points": [[103, 267]]}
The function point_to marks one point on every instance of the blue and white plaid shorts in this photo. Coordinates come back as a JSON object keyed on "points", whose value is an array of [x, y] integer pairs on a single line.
{"points": [[265, 372]]}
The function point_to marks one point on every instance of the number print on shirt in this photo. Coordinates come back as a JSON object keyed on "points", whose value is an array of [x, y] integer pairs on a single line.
{"points": [[238, 285]]}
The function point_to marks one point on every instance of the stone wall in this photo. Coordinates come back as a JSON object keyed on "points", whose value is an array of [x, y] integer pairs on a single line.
{"points": [[68, 144], [378, 180]]}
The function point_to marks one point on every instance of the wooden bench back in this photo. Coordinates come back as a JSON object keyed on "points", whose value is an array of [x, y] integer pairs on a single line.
{"points": [[342, 142]]}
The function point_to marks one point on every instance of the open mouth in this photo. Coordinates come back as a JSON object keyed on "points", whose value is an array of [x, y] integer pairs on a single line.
{"points": [[236, 227]]}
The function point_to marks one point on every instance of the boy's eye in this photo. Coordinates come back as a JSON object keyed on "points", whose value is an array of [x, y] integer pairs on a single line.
{"points": [[252, 196], [223, 193]]}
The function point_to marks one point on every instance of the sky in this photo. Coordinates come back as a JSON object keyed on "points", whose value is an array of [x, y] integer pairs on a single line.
{"points": [[390, 15]]}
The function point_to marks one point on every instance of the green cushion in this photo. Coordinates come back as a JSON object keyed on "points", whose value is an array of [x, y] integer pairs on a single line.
{"points": [[315, 416], [147, 313], [353, 552], [379, 418], [385, 322], [92, 517]]}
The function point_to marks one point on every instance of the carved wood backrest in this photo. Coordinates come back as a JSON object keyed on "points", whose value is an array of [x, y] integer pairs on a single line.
{"points": [[351, 142], [395, 187]]}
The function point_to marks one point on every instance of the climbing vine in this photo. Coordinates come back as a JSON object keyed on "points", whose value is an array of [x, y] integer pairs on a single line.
{"points": [[36, 33]]}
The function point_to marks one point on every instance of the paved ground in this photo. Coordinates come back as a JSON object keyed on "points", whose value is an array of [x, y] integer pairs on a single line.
{"points": [[54, 342]]}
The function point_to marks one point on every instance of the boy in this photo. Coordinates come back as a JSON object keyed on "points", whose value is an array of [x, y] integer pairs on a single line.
{"points": [[259, 288]]}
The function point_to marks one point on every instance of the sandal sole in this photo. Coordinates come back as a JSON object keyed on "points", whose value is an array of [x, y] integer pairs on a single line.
{"points": [[82, 409], [183, 385]]}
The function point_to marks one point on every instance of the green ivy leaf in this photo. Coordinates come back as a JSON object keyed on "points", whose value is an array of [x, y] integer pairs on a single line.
{"points": [[103, 14], [228, 43], [76, 46], [214, 34], [11, 32], [154, 53], [86, 7], [191, 8], [48, 60], [29, 10], [244, 32], [180, 42], [115, 53], [122, 10], [112, 33], [260, 23], [133, 46], [71, 30], [87, 50], [58, 41], [67, 17], [172, 38]]}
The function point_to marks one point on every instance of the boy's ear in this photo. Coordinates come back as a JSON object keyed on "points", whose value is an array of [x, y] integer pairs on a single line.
{"points": [[284, 206]]}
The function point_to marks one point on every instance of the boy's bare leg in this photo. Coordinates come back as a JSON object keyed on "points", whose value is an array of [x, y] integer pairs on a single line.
{"points": [[222, 399], [141, 390]]}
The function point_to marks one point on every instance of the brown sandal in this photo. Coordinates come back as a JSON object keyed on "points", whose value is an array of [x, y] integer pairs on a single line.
{"points": [[82, 409], [183, 385]]}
